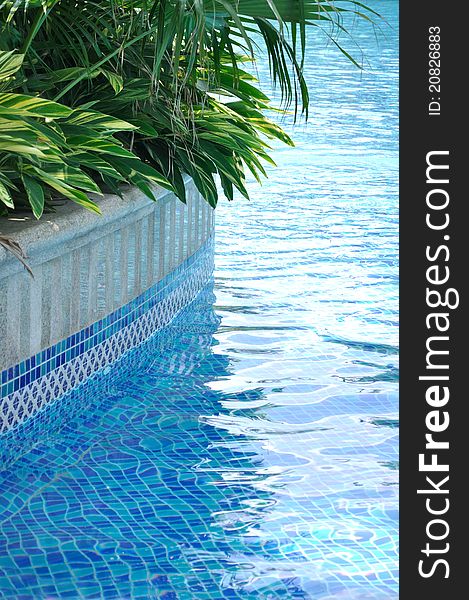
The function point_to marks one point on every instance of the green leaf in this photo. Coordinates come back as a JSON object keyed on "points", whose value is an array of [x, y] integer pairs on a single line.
{"points": [[5, 196], [10, 62], [98, 120], [135, 166], [94, 144], [35, 194], [20, 104], [73, 176], [115, 80], [63, 188], [142, 185], [8, 144], [96, 163]]}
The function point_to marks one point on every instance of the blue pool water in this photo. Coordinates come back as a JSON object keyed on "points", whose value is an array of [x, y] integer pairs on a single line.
{"points": [[249, 450]]}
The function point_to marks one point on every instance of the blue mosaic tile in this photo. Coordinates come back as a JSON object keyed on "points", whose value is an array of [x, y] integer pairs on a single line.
{"points": [[115, 494]]}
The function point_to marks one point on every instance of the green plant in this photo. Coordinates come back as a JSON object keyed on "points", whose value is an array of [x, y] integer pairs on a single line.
{"points": [[142, 91], [47, 148]]}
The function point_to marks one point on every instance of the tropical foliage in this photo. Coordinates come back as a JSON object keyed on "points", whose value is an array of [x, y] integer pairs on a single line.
{"points": [[95, 94]]}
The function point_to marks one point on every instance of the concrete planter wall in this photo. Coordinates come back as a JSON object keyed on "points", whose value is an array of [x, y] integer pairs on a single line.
{"points": [[90, 272]]}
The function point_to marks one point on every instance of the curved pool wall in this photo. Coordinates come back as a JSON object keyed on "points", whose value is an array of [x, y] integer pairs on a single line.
{"points": [[101, 286]]}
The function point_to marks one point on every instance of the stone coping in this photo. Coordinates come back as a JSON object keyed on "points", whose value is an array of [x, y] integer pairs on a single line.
{"points": [[87, 266], [71, 225]]}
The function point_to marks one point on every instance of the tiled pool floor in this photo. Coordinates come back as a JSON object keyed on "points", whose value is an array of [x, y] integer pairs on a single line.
{"points": [[166, 488]]}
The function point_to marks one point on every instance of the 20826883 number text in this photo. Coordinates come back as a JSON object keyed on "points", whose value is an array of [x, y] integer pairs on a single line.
{"points": [[434, 70]]}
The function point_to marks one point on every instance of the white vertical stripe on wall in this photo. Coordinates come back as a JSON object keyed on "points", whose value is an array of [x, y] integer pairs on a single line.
{"points": [[189, 225], [94, 277], [75, 293], [123, 253], [177, 231], [167, 245], [162, 239], [171, 240], [35, 304], [116, 265], [56, 301], [202, 221], [13, 317], [23, 308], [185, 232], [92, 282], [109, 270], [131, 248], [195, 239], [101, 283], [196, 223], [138, 259], [182, 210], [4, 317], [156, 242], [46, 304], [143, 253], [66, 286], [150, 248]]}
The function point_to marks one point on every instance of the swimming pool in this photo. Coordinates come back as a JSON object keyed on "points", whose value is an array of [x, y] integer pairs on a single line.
{"points": [[248, 450]]}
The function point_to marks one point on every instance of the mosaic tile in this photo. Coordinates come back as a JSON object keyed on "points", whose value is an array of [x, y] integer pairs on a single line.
{"points": [[132, 487]]}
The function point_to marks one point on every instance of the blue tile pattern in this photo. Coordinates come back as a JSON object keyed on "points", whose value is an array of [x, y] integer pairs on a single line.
{"points": [[41, 379], [138, 487]]}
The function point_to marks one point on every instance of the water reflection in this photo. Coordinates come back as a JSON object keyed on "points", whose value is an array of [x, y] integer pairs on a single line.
{"points": [[170, 488]]}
